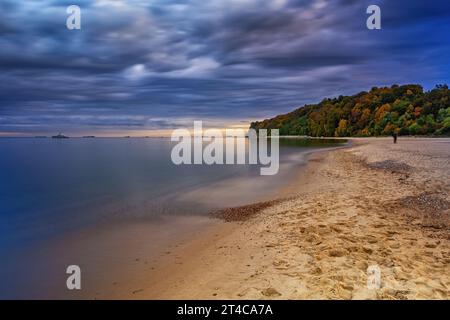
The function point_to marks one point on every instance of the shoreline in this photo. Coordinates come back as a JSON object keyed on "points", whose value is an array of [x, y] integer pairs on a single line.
{"points": [[344, 209], [114, 254], [354, 209], [124, 278]]}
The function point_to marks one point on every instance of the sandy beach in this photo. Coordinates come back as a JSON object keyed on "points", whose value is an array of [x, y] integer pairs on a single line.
{"points": [[375, 203]]}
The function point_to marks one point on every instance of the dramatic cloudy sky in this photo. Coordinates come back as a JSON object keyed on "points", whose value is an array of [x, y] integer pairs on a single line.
{"points": [[141, 65]]}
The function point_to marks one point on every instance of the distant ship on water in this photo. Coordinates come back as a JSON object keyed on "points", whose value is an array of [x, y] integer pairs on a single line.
{"points": [[60, 136]]}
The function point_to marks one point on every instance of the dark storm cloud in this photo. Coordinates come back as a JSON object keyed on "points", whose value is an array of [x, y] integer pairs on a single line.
{"points": [[159, 64]]}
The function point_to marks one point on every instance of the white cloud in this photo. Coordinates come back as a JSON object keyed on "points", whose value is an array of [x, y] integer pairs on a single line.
{"points": [[278, 4], [199, 67], [136, 72]]}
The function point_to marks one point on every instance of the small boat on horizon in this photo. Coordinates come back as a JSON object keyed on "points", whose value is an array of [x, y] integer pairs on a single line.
{"points": [[60, 136]]}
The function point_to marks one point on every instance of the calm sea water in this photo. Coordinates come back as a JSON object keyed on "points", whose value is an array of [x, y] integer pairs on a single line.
{"points": [[53, 188], [50, 186]]}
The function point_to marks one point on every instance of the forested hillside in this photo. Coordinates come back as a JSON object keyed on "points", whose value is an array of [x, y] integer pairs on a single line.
{"points": [[407, 110]]}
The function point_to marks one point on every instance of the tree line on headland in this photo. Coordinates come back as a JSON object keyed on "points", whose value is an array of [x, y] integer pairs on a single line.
{"points": [[405, 110]]}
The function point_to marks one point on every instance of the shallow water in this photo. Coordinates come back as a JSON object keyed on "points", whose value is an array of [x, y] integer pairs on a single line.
{"points": [[51, 187]]}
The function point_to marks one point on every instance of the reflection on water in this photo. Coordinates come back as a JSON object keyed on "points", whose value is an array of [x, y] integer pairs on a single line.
{"points": [[50, 186], [54, 188]]}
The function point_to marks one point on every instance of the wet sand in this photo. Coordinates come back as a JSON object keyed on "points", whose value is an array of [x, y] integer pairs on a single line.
{"points": [[374, 203]]}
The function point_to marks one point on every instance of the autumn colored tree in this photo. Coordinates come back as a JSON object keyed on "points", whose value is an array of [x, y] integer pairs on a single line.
{"points": [[407, 110]]}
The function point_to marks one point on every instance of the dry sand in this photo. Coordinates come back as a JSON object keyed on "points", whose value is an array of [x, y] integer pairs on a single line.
{"points": [[375, 203]]}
